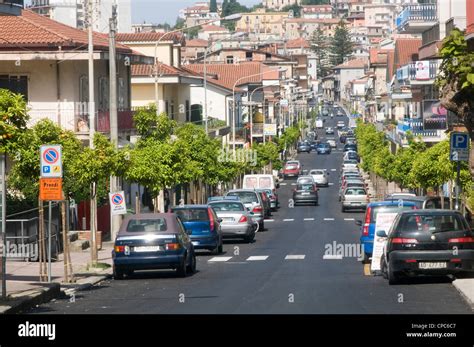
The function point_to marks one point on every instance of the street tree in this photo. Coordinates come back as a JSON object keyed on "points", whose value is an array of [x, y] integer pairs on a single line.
{"points": [[213, 6], [319, 45], [14, 116], [456, 78], [341, 44]]}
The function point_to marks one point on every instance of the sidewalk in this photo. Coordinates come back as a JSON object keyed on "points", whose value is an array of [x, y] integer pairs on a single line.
{"points": [[25, 291]]}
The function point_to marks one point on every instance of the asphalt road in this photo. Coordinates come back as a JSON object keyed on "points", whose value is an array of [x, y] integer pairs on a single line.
{"points": [[261, 278]]}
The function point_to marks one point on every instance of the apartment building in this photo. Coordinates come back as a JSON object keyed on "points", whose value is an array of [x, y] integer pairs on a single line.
{"points": [[261, 21], [279, 4]]}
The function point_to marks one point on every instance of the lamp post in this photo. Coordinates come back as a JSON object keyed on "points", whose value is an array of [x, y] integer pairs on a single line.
{"points": [[234, 108], [232, 17], [251, 110], [206, 52]]}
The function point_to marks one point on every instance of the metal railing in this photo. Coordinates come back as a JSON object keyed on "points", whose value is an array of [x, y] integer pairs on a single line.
{"points": [[410, 72], [417, 13], [431, 35]]}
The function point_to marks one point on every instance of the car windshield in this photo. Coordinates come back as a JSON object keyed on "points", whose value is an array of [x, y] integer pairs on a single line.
{"points": [[265, 182], [293, 162], [355, 191], [291, 167], [306, 187], [432, 223], [192, 214], [386, 209], [227, 206], [245, 197], [317, 172], [251, 182], [151, 225]]}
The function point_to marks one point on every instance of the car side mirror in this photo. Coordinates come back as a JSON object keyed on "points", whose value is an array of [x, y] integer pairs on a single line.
{"points": [[381, 233], [358, 222], [251, 213], [219, 220]]}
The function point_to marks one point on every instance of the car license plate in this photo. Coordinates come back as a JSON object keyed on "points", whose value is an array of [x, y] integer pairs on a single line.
{"points": [[195, 243], [432, 265], [305, 193], [147, 249], [228, 219]]}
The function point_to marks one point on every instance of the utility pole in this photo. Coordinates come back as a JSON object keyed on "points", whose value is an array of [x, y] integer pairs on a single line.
{"points": [[93, 217], [114, 219]]}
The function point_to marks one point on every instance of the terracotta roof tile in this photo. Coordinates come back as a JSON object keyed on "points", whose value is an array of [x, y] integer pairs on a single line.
{"points": [[197, 43], [352, 64], [213, 28], [36, 31], [378, 56], [150, 37], [229, 74], [149, 70], [406, 50], [298, 43]]}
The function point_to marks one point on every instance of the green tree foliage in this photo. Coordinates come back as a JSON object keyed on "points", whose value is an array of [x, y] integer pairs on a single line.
{"points": [[315, 2], [13, 119], [319, 45], [289, 138], [456, 78], [267, 153], [341, 44], [295, 8], [213, 6]]}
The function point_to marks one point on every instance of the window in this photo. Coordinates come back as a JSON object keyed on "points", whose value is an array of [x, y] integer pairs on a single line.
{"points": [[248, 56], [167, 108], [15, 84], [122, 94], [172, 109], [230, 59], [140, 225], [83, 89], [103, 93]]}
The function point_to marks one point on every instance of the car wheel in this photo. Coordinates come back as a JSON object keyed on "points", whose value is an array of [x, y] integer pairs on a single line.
{"points": [[261, 226], [192, 267], [383, 268], [181, 269], [393, 277], [343, 209], [220, 249], [365, 259], [249, 238], [118, 274]]}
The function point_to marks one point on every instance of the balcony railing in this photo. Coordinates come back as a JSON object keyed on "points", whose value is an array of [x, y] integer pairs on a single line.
{"points": [[431, 35], [419, 13], [430, 129], [418, 71]]}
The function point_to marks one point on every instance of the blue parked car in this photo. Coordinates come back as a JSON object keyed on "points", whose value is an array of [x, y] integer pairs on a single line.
{"points": [[151, 241], [368, 226], [203, 225]]}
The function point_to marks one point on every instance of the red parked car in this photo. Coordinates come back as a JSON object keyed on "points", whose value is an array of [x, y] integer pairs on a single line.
{"points": [[291, 169]]}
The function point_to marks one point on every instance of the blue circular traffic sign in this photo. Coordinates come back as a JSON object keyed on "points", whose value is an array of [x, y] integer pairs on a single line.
{"points": [[50, 155], [117, 199]]}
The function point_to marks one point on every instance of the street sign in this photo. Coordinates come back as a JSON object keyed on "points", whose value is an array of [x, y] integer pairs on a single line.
{"points": [[459, 146], [269, 130], [51, 189], [51, 161], [117, 203]]}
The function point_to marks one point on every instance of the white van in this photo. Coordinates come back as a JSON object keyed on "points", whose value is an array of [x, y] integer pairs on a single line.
{"points": [[259, 182]]}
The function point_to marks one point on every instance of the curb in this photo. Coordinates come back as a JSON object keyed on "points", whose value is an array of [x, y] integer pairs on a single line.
{"points": [[466, 289], [27, 301], [87, 282]]}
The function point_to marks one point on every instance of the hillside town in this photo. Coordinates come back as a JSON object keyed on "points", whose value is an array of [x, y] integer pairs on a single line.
{"points": [[287, 124]]}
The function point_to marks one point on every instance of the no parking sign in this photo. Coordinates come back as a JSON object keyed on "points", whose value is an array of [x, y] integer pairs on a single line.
{"points": [[117, 203]]}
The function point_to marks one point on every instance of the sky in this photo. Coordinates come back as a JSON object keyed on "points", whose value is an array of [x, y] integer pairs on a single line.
{"points": [[161, 11]]}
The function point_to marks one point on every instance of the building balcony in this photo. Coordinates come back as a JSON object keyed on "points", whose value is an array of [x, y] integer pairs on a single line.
{"points": [[418, 73], [11, 7], [430, 129], [76, 119], [417, 18]]}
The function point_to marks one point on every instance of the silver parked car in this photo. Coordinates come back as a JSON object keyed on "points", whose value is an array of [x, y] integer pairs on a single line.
{"points": [[354, 199], [253, 203], [320, 177], [237, 221]]}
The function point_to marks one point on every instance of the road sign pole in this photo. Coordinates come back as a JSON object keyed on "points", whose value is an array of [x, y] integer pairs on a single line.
{"points": [[458, 184], [4, 235], [50, 217]]}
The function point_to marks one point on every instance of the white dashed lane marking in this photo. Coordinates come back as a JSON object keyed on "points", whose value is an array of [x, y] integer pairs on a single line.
{"points": [[309, 219], [349, 219], [269, 220], [257, 257], [288, 220], [333, 169], [328, 218], [332, 257], [219, 259], [283, 184], [295, 257], [331, 184]]}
